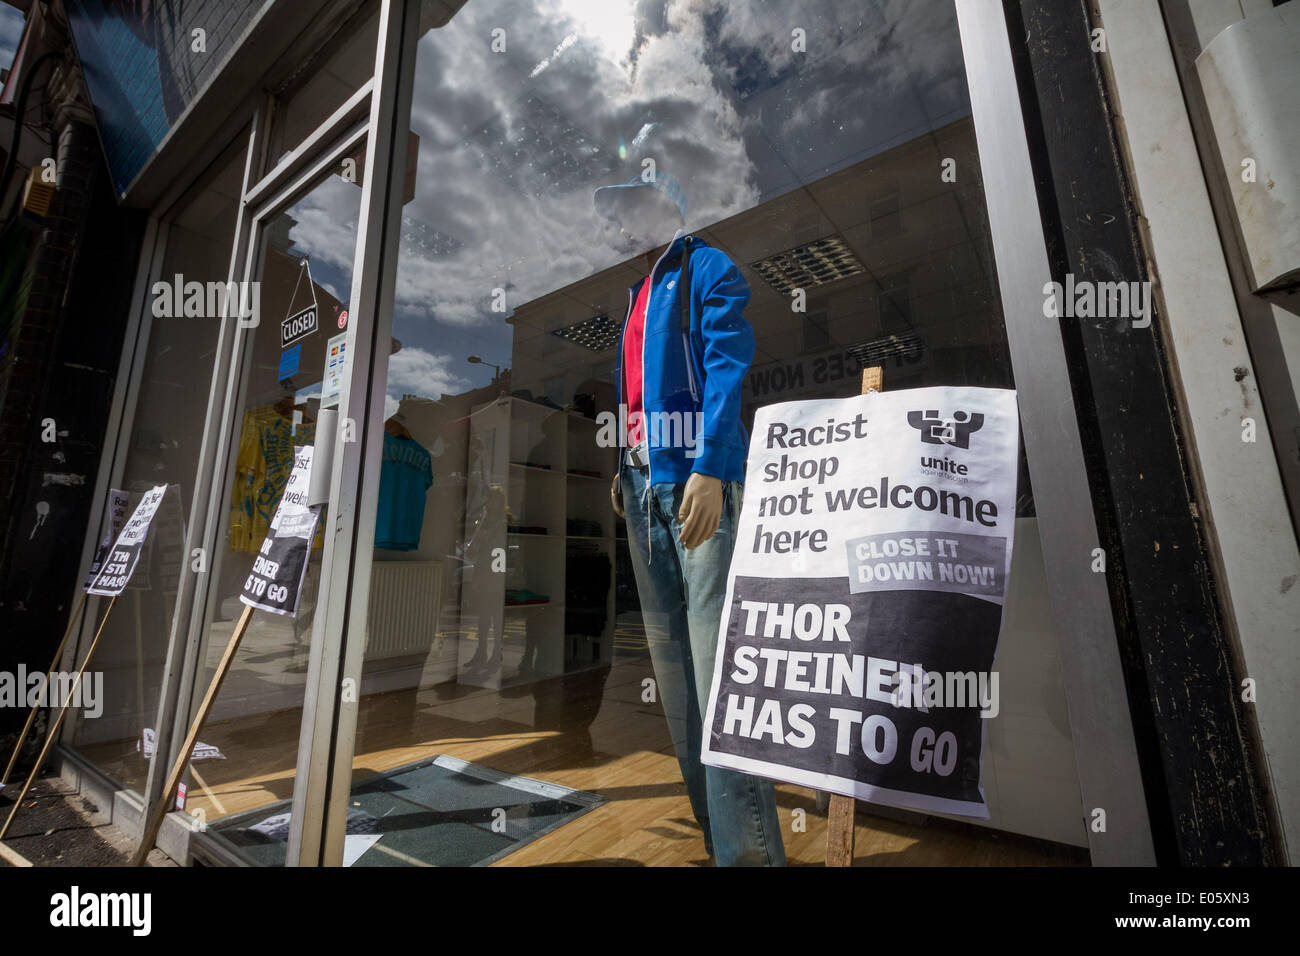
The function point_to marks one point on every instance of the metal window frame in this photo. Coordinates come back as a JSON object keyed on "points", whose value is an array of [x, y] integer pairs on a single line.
{"points": [[1105, 749], [353, 110], [325, 747]]}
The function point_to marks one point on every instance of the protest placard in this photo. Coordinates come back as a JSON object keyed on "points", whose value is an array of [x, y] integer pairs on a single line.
{"points": [[119, 565], [275, 581], [865, 595]]}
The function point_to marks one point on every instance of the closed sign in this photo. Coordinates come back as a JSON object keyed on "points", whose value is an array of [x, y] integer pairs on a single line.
{"points": [[298, 326]]}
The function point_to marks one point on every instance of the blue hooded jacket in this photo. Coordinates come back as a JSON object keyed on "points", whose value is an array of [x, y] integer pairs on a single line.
{"points": [[694, 374]]}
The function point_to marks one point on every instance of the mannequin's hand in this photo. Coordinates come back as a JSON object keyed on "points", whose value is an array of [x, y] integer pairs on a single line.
{"points": [[616, 496], [701, 509]]}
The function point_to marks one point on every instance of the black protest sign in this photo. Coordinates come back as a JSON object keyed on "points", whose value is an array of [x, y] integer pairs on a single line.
{"points": [[120, 564], [856, 651], [831, 683], [275, 581]]}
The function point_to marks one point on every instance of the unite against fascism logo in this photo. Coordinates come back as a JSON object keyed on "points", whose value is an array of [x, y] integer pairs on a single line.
{"points": [[955, 431]]}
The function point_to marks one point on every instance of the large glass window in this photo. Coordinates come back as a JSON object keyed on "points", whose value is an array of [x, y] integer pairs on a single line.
{"points": [[181, 331], [511, 708]]}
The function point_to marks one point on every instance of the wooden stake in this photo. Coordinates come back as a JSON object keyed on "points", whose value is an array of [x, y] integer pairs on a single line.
{"points": [[155, 819], [31, 718], [13, 857], [839, 821], [58, 723], [839, 831]]}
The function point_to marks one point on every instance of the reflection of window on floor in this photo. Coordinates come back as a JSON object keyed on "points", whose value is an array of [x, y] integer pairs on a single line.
{"points": [[894, 304], [816, 334], [883, 215]]}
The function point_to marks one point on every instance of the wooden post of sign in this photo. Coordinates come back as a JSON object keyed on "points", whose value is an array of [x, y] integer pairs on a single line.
{"points": [[839, 821], [31, 718], [154, 820], [58, 723]]}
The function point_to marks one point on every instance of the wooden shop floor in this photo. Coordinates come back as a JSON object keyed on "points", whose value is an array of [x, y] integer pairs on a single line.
{"points": [[591, 732]]}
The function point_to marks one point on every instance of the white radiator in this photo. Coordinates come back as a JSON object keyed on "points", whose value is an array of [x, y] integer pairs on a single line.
{"points": [[405, 601]]}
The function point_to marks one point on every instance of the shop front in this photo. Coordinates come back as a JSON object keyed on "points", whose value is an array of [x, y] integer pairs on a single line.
{"points": [[412, 271]]}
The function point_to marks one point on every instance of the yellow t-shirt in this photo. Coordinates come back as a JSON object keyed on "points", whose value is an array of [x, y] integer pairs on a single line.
{"points": [[262, 468]]}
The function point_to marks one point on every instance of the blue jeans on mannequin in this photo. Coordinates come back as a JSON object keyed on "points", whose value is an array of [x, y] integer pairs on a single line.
{"points": [[681, 595]]}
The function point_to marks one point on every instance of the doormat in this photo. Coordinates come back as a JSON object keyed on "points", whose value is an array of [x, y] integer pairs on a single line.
{"points": [[439, 812]]}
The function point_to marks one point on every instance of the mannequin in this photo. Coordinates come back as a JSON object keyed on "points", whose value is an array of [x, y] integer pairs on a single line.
{"points": [[682, 356]]}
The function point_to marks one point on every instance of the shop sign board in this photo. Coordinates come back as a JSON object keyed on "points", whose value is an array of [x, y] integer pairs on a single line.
{"points": [[275, 581], [857, 645], [116, 570]]}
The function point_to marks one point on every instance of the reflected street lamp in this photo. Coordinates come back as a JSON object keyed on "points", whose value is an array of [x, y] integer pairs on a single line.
{"points": [[475, 360], [496, 378]]}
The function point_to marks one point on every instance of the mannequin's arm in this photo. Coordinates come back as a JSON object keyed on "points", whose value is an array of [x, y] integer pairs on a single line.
{"points": [[728, 351]]}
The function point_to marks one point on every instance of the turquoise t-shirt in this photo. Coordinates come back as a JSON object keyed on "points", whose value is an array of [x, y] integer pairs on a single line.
{"points": [[404, 481]]}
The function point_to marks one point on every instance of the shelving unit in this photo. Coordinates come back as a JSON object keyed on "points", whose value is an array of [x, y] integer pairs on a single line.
{"points": [[532, 452]]}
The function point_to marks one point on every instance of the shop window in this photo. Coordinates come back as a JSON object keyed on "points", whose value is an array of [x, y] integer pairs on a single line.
{"points": [[165, 434], [515, 678]]}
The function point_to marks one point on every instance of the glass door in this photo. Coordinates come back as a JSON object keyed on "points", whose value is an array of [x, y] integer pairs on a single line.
{"points": [[301, 271]]}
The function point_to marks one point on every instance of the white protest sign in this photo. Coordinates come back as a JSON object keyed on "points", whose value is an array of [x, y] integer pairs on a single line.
{"points": [[275, 582], [168, 535], [865, 595], [120, 563]]}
